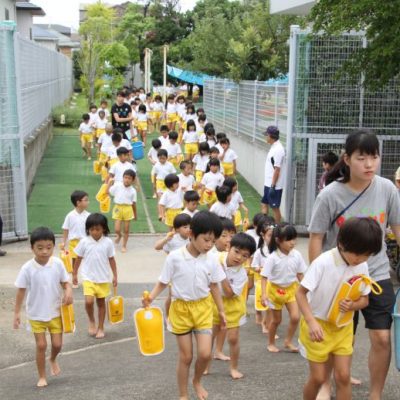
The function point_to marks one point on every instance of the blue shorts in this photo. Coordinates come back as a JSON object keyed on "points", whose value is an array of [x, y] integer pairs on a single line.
{"points": [[272, 201]]}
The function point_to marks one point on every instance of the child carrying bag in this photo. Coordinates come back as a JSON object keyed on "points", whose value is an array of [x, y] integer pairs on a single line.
{"points": [[115, 308]]}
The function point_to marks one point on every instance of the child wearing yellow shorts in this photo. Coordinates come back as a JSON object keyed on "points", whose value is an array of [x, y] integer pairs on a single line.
{"points": [[174, 149], [74, 223], [228, 157], [209, 183], [323, 343], [152, 156], [191, 140], [124, 210], [171, 201], [100, 124], [103, 143], [282, 271], [86, 136], [241, 249], [200, 161], [193, 274], [96, 254], [237, 203], [186, 178], [46, 281], [141, 124], [171, 113]]}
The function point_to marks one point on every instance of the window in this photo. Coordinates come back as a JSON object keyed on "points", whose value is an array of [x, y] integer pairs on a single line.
{"points": [[7, 14]]}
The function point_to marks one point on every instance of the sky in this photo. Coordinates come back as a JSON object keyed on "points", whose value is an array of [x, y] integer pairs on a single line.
{"points": [[67, 12]]}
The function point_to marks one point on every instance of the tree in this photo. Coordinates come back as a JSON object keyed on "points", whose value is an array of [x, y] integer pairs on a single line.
{"points": [[380, 60]]}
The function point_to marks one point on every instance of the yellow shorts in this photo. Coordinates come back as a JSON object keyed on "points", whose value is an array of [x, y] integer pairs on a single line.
{"points": [[99, 132], [279, 296], [337, 341], [122, 212], [198, 175], [103, 157], [228, 168], [141, 126], [235, 312], [170, 215], [160, 186], [172, 117], [175, 161], [157, 115], [71, 247], [208, 197], [87, 138], [191, 148], [238, 218], [112, 161], [191, 316], [98, 290], [53, 326]]}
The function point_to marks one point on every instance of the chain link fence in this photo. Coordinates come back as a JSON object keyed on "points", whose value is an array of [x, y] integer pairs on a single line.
{"points": [[33, 80]]}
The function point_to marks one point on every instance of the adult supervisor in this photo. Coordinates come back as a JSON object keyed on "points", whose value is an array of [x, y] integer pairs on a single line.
{"points": [[121, 114], [274, 174]]}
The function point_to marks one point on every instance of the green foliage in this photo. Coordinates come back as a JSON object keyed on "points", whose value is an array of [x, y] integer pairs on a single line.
{"points": [[380, 60], [73, 116]]}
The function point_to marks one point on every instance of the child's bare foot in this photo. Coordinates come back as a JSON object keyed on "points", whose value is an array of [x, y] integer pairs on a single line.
{"points": [[325, 392], [54, 367], [235, 374], [221, 357], [201, 393], [258, 319], [42, 382], [291, 347], [123, 250], [272, 348], [183, 398], [206, 372], [355, 381], [75, 286], [92, 329], [117, 239], [100, 334]]}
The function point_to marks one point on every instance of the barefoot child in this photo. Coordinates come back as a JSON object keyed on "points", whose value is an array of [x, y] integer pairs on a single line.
{"points": [[45, 280], [86, 136], [191, 200], [186, 179], [321, 340], [283, 270], [152, 156], [160, 170], [171, 201], [193, 274], [123, 164], [209, 183], [96, 253]]}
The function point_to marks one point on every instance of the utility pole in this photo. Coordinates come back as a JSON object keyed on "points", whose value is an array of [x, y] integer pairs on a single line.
{"points": [[165, 49]]}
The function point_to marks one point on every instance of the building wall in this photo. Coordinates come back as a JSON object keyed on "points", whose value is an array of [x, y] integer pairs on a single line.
{"points": [[49, 44], [24, 23], [67, 51], [293, 7], [10, 6]]}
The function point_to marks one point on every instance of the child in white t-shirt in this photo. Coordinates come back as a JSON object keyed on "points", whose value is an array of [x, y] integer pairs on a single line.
{"points": [[152, 156], [163, 138], [186, 179], [191, 140], [100, 124], [191, 201], [228, 158], [104, 143], [86, 136], [158, 111], [141, 123], [200, 161], [237, 203], [174, 149], [209, 183], [160, 170], [96, 254], [46, 282], [171, 201], [171, 112], [223, 207], [117, 170]]}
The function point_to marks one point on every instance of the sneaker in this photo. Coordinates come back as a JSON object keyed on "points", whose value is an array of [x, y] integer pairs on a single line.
{"points": [[2, 253]]}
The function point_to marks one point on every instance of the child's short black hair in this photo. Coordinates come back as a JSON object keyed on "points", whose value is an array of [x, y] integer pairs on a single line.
{"points": [[228, 225], [189, 124], [200, 110], [184, 164], [214, 162], [214, 150], [116, 137], [205, 222], [330, 158], [242, 241], [224, 140], [102, 112], [191, 195], [190, 107], [131, 173], [164, 128], [282, 232], [42, 233], [210, 131], [361, 236], [173, 135], [93, 106], [202, 117], [142, 107], [121, 93], [77, 195], [220, 135], [158, 97], [230, 182], [104, 101], [97, 219], [170, 180], [86, 117], [204, 146], [181, 220], [208, 126], [156, 143], [162, 153], [223, 192], [122, 150]]}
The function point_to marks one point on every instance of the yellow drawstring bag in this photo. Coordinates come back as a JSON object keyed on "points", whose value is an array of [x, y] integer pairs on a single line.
{"points": [[115, 308]]}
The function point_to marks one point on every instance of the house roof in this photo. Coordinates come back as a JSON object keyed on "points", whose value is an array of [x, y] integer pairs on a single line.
{"points": [[43, 34], [62, 40], [65, 30], [27, 6]]}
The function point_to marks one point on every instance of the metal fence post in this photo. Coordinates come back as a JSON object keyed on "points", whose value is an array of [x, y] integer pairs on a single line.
{"points": [[255, 111], [276, 103], [237, 108], [224, 117]]}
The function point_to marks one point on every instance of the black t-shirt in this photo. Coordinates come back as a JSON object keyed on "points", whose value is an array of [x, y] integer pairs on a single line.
{"points": [[123, 112]]}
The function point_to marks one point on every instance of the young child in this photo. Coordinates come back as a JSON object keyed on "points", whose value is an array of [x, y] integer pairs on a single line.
{"points": [[186, 179], [163, 138], [200, 161], [195, 93], [100, 125], [123, 164], [282, 271], [96, 254], [209, 183], [124, 210], [117, 142], [200, 123], [320, 340], [160, 170], [86, 136], [158, 111], [191, 200], [104, 143], [171, 201], [189, 115], [223, 207], [241, 249], [191, 140], [228, 158], [104, 107], [328, 161], [237, 202], [152, 156], [93, 115], [214, 154], [174, 149], [74, 228], [252, 229], [220, 136], [46, 281], [210, 135], [142, 123], [191, 308], [171, 113]]}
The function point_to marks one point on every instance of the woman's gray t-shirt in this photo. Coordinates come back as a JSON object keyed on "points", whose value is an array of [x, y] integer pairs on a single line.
{"points": [[380, 201]]}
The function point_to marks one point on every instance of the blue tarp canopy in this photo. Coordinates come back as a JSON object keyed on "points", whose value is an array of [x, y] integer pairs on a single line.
{"points": [[187, 76]]}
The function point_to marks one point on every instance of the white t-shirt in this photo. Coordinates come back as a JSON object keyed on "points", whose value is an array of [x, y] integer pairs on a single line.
{"points": [[123, 194], [275, 158], [170, 199], [259, 259], [175, 243], [236, 276], [171, 108], [190, 213], [229, 156], [106, 112], [93, 118], [223, 210], [96, 256], [236, 200], [101, 123], [324, 277], [201, 162], [219, 147], [282, 269], [126, 143], [164, 141], [211, 180], [153, 154], [85, 128], [191, 276], [141, 117], [253, 234], [186, 182], [158, 106], [43, 285], [142, 97], [105, 141], [181, 109], [118, 169], [190, 137], [173, 149], [75, 223], [162, 170], [189, 117]]}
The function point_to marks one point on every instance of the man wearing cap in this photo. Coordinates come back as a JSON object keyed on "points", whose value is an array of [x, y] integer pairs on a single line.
{"points": [[274, 174]]}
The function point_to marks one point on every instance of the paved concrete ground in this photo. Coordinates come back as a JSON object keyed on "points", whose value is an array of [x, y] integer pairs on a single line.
{"points": [[114, 368]]}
